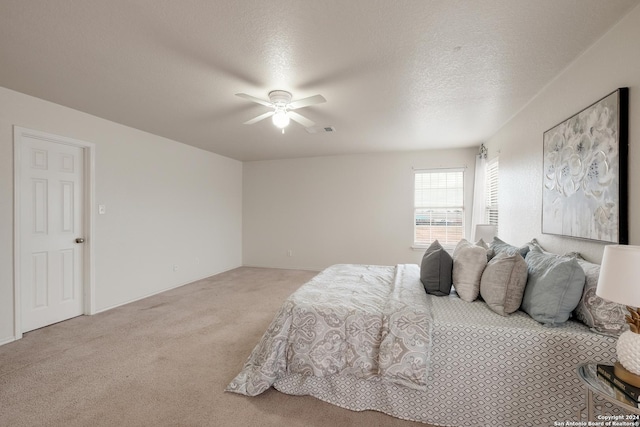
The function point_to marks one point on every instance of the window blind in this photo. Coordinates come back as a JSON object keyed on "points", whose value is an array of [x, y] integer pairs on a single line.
{"points": [[492, 184], [439, 206]]}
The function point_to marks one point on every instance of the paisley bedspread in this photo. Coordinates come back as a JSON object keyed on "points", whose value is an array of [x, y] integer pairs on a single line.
{"points": [[361, 321]]}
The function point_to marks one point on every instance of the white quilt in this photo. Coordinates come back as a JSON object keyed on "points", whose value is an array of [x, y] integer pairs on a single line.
{"points": [[354, 320]]}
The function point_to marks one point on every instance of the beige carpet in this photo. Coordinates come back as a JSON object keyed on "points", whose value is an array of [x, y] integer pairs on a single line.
{"points": [[162, 361]]}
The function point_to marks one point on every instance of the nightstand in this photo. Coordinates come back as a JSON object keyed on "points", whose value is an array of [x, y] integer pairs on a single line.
{"points": [[601, 388]]}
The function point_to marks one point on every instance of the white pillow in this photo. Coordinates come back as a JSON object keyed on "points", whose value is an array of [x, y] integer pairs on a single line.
{"points": [[469, 262]]}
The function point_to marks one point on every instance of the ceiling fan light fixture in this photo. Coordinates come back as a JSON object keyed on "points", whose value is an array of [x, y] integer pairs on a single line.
{"points": [[280, 119], [282, 113]]}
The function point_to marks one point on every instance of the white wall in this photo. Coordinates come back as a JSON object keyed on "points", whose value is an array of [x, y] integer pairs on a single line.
{"points": [[613, 62], [339, 209], [167, 203]]}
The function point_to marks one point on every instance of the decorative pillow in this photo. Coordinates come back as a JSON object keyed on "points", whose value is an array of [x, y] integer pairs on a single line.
{"points": [[554, 287], [435, 270], [498, 246], [503, 282], [602, 316], [534, 244], [469, 262], [482, 243]]}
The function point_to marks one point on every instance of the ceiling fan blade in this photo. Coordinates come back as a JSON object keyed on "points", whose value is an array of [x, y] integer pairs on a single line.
{"points": [[260, 117], [305, 102], [300, 119], [254, 99]]}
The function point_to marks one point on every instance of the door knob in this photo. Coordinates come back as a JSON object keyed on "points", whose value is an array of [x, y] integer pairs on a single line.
{"points": [[79, 240]]}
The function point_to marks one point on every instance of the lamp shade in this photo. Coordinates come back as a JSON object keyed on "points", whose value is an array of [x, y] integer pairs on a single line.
{"points": [[619, 279], [485, 232]]}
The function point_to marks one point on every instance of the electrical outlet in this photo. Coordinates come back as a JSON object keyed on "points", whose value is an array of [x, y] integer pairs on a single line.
{"points": [[175, 267], [290, 252], [197, 261]]}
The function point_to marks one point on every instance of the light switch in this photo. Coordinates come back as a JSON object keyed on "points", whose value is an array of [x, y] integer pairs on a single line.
{"points": [[102, 209]]}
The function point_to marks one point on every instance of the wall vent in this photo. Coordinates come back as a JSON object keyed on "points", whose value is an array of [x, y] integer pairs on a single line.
{"points": [[320, 129]]}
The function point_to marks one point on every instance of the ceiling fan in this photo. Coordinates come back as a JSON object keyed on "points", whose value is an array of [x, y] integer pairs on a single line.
{"points": [[280, 101]]}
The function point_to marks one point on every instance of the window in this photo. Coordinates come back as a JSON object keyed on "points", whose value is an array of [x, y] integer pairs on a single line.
{"points": [[491, 190], [439, 207]]}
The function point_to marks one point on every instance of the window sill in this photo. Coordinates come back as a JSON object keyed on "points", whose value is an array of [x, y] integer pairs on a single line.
{"points": [[447, 248]]}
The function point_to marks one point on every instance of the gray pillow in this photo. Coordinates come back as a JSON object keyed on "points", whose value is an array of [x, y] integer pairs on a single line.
{"points": [[435, 270], [482, 244], [534, 244], [602, 316], [498, 246], [503, 282], [554, 287], [469, 262]]}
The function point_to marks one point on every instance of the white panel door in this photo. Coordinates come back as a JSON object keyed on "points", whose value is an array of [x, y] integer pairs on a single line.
{"points": [[51, 219]]}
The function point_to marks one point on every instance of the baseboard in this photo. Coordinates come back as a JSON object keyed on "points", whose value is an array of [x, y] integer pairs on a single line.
{"points": [[8, 340], [283, 268], [161, 291], [4, 341]]}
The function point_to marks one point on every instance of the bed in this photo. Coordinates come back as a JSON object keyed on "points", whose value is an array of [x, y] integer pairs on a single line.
{"points": [[369, 338]]}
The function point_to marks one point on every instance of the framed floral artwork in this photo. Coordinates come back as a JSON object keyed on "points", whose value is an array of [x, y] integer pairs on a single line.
{"points": [[584, 193]]}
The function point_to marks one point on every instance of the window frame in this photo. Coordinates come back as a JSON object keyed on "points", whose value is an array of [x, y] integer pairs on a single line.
{"points": [[445, 244]]}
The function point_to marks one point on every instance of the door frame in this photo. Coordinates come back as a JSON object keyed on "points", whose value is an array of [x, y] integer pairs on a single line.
{"points": [[88, 219]]}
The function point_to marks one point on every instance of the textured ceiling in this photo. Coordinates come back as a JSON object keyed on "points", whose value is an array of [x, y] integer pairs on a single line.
{"points": [[397, 75]]}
